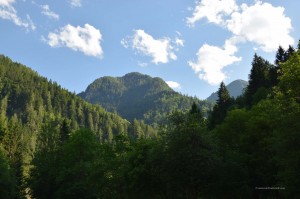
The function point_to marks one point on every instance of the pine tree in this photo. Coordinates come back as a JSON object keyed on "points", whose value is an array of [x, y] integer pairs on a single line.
{"points": [[224, 98], [280, 56], [3, 113], [290, 51], [65, 130], [7, 179], [259, 78], [275, 72], [220, 109]]}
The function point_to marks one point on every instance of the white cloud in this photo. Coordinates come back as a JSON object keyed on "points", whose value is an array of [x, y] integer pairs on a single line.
{"points": [[47, 12], [179, 42], [6, 2], [213, 10], [173, 85], [142, 64], [84, 39], [161, 50], [8, 12], [30, 22], [263, 24], [211, 61], [125, 42], [75, 3]]}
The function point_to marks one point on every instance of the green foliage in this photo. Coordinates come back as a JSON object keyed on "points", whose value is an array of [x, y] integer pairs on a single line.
{"points": [[36, 114], [33, 98], [137, 96], [289, 81], [42, 181], [75, 174], [281, 56], [259, 77], [224, 102], [7, 180], [191, 157], [262, 141]]}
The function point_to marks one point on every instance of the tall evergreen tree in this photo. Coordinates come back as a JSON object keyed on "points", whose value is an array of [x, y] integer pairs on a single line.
{"points": [[259, 78], [280, 56], [224, 98], [7, 179], [290, 51], [65, 130], [220, 110], [275, 72], [195, 112]]}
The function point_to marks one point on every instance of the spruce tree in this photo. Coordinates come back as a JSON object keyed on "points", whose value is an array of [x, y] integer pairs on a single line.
{"points": [[275, 72], [290, 51], [196, 113], [220, 109], [280, 56], [224, 98], [259, 78]]}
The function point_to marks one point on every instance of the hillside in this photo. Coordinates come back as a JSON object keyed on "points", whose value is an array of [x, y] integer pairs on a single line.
{"points": [[33, 99], [138, 96], [235, 89]]}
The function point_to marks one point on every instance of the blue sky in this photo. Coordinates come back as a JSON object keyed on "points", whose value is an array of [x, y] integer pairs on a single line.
{"points": [[192, 45]]}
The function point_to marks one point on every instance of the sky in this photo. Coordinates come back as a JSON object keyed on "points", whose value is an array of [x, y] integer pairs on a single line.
{"points": [[192, 45]]}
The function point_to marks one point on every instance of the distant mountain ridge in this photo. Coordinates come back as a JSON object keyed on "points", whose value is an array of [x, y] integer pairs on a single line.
{"points": [[138, 96], [235, 89]]}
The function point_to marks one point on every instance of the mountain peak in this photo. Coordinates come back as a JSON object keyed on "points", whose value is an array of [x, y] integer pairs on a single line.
{"points": [[135, 74], [235, 88], [136, 95]]}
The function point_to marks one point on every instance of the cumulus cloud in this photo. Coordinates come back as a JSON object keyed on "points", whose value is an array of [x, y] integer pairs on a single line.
{"points": [[160, 50], [213, 10], [85, 39], [262, 24], [212, 59], [173, 85], [48, 12], [75, 3], [8, 12], [6, 2]]}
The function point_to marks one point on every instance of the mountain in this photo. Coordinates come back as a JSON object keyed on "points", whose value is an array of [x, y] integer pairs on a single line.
{"points": [[138, 96], [235, 89], [32, 100]]}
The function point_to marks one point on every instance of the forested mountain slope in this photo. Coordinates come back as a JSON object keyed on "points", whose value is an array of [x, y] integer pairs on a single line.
{"points": [[32, 99], [139, 96]]}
